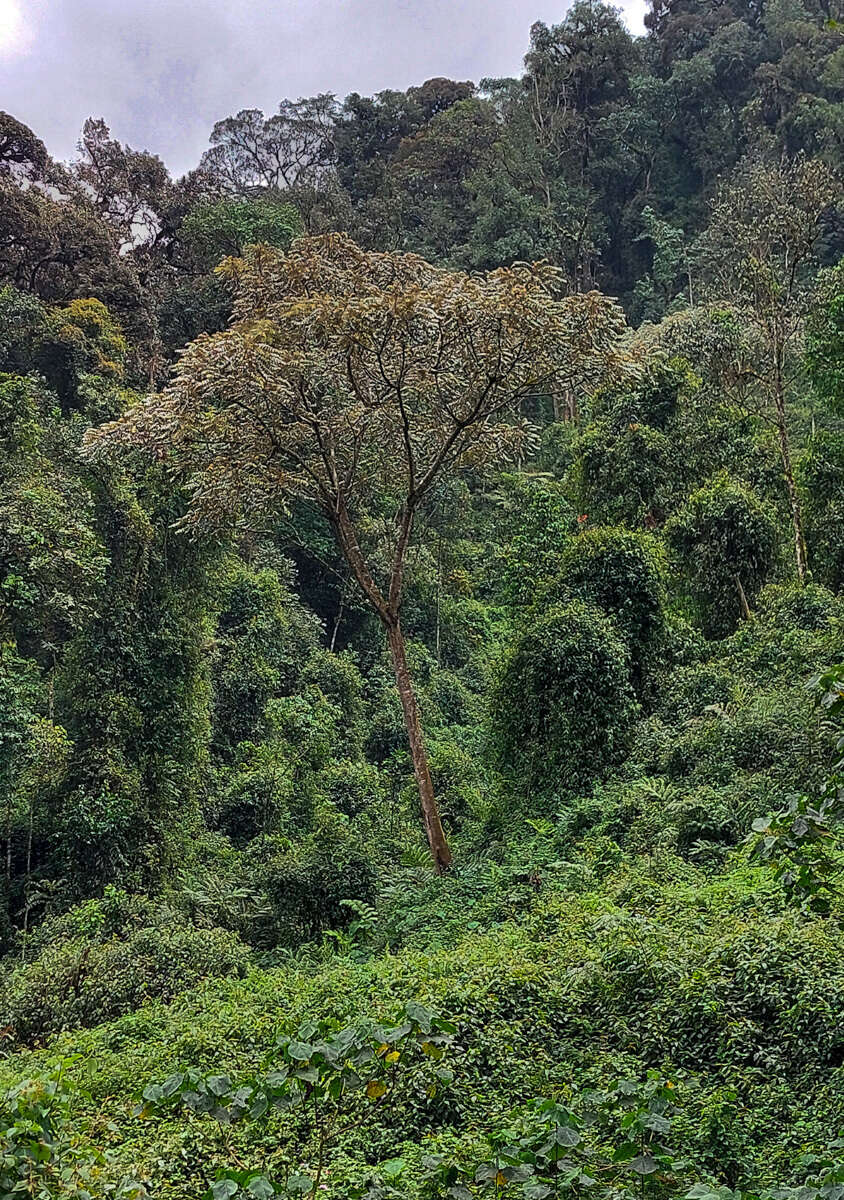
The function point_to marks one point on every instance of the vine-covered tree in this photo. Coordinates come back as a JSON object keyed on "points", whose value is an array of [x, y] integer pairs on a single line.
{"points": [[356, 380], [724, 539], [760, 248]]}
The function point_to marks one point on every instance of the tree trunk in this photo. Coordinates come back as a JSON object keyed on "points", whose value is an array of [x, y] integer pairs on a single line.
{"points": [[439, 593], [339, 617], [440, 851], [745, 607], [793, 495]]}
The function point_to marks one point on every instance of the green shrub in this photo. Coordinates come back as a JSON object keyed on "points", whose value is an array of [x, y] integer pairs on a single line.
{"points": [[688, 691], [273, 783], [83, 982], [820, 471], [48, 1151], [307, 883], [622, 573], [331, 1080], [624, 474], [215, 890], [825, 328], [23, 321], [563, 707], [264, 639], [337, 678], [799, 606], [534, 519], [654, 400], [725, 540], [457, 778], [352, 786], [456, 703], [652, 814], [215, 228], [465, 627]]}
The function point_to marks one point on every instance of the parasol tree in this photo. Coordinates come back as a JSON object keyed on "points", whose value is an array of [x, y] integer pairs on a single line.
{"points": [[353, 380]]}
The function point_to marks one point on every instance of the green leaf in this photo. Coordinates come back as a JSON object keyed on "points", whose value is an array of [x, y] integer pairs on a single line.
{"points": [[657, 1123], [566, 1136], [300, 1051], [643, 1164], [419, 1015], [534, 1190], [300, 1185], [261, 1187], [223, 1189], [218, 1085]]}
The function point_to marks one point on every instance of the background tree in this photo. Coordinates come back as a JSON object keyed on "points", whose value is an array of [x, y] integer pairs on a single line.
{"points": [[759, 249], [622, 573], [356, 380], [290, 153], [825, 339], [21, 153], [821, 468], [127, 187]]}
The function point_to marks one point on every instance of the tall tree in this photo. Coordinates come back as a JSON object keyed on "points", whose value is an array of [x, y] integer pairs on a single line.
{"points": [[21, 152], [577, 75], [356, 380], [293, 148], [759, 249], [127, 187]]}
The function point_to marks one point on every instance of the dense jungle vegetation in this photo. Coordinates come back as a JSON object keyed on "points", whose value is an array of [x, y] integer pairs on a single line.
{"points": [[421, 685]]}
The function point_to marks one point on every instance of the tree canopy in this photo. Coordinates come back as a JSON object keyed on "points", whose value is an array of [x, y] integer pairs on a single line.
{"points": [[356, 380]]}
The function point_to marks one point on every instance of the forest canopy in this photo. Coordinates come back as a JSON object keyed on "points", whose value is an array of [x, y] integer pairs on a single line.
{"points": [[421, 681]]}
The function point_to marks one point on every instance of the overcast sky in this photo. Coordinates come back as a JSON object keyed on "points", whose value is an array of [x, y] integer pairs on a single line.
{"points": [[162, 72]]}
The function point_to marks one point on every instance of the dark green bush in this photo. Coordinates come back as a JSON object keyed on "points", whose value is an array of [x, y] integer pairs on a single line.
{"points": [[457, 704], [82, 981], [458, 780], [465, 627], [725, 541], [654, 401], [352, 786], [264, 638], [688, 691], [273, 783], [534, 519], [625, 474], [622, 573], [794, 606], [820, 471], [564, 703], [307, 883], [338, 679]]}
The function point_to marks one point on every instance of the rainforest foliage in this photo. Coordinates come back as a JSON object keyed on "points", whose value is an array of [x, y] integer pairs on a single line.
{"points": [[421, 634]]}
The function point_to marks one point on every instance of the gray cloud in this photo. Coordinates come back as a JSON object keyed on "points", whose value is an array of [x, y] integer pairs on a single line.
{"points": [[162, 72]]}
